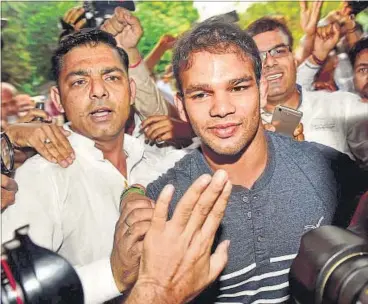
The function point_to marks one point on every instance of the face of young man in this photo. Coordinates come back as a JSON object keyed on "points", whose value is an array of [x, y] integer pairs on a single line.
{"points": [[95, 91], [221, 100], [361, 74], [280, 70]]}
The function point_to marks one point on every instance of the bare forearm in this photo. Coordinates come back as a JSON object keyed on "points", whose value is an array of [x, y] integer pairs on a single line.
{"points": [[305, 49], [154, 56]]}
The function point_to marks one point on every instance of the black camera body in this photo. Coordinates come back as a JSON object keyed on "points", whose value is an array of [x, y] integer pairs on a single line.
{"points": [[31, 274], [331, 267], [96, 12]]}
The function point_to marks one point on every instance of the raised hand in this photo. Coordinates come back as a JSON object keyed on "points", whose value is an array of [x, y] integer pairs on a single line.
{"points": [[309, 16], [182, 265]]}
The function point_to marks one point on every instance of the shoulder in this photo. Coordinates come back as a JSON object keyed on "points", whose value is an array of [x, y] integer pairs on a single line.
{"points": [[309, 153], [184, 171]]}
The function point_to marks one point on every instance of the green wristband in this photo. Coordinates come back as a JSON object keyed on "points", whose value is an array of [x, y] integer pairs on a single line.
{"points": [[132, 189]]}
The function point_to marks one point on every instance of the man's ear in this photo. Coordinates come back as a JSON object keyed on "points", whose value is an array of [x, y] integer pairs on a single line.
{"points": [[133, 90], [180, 106], [263, 91], [56, 99]]}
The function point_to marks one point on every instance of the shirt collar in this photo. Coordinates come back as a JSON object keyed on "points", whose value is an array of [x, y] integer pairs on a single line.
{"points": [[133, 148]]}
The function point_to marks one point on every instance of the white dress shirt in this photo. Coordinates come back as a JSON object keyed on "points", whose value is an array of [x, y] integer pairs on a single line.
{"points": [[334, 119], [73, 210]]}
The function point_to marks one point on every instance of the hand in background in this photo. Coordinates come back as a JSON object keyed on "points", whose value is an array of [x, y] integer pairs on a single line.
{"points": [[298, 134], [72, 18], [166, 128], [309, 16], [8, 189], [48, 140]]}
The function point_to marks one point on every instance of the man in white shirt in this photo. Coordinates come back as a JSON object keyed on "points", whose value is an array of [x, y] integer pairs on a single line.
{"points": [[73, 211], [332, 119]]}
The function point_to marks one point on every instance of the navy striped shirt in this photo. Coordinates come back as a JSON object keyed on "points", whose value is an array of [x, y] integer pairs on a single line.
{"points": [[297, 192]]}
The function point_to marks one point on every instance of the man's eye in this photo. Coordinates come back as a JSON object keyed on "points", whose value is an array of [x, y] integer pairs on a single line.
{"points": [[239, 88], [112, 78], [78, 82], [280, 51], [199, 96], [363, 70]]}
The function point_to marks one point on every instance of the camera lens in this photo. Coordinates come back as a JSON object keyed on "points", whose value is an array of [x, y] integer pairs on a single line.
{"points": [[280, 110]]}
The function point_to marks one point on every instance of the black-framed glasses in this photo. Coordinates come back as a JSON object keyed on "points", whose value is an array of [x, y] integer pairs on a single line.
{"points": [[7, 155], [277, 52]]}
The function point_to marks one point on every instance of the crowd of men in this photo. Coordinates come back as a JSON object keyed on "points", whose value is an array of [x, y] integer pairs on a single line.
{"points": [[198, 198]]}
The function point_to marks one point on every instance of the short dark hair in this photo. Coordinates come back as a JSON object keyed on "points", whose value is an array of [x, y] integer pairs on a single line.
{"points": [[267, 24], [359, 46], [90, 37], [218, 37]]}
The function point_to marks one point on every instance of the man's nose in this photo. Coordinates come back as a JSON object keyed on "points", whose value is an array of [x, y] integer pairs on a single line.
{"points": [[269, 61], [98, 89], [222, 106]]}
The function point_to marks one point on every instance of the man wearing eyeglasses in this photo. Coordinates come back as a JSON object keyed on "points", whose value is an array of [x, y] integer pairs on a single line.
{"points": [[329, 118]]}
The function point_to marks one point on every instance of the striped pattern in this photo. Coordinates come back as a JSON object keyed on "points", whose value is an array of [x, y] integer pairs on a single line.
{"points": [[257, 284]]}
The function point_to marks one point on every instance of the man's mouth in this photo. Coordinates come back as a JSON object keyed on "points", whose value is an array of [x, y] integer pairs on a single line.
{"points": [[225, 130], [101, 114], [273, 76]]}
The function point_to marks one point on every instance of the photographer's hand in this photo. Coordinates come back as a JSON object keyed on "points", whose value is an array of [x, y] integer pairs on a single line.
{"points": [[74, 14], [127, 30], [48, 140]]}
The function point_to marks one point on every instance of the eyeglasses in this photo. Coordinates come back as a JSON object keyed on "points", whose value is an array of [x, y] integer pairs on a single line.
{"points": [[277, 52]]}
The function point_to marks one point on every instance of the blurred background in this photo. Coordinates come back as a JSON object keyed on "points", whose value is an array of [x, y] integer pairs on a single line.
{"points": [[32, 30]]}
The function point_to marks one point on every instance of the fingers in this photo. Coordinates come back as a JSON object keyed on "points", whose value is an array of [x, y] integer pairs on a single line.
{"points": [[74, 15], [139, 215], [80, 24], [184, 209], [303, 5], [207, 201], [269, 127], [160, 132], [8, 189], [298, 133], [57, 149], [34, 113], [160, 213], [8, 183], [219, 260], [153, 119], [214, 218]]}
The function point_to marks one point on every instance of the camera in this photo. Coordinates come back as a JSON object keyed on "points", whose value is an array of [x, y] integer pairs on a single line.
{"points": [[331, 267], [31, 274], [96, 12]]}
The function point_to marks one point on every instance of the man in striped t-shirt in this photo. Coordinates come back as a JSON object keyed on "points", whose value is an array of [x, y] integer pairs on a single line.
{"points": [[281, 188]]}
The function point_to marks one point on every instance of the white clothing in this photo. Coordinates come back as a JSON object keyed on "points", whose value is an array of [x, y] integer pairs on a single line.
{"points": [[73, 210], [334, 119]]}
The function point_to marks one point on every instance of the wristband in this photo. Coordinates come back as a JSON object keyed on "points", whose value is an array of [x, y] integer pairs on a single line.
{"points": [[136, 64], [318, 61], [136, 188]]}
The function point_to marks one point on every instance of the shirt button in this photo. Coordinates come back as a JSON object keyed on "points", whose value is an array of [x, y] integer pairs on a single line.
{"points": [[249, 215], [260, 238], [245, 199]]}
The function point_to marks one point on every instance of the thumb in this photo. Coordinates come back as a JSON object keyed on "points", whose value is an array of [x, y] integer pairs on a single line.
{"points": [[65, 132], [219, 260]]}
